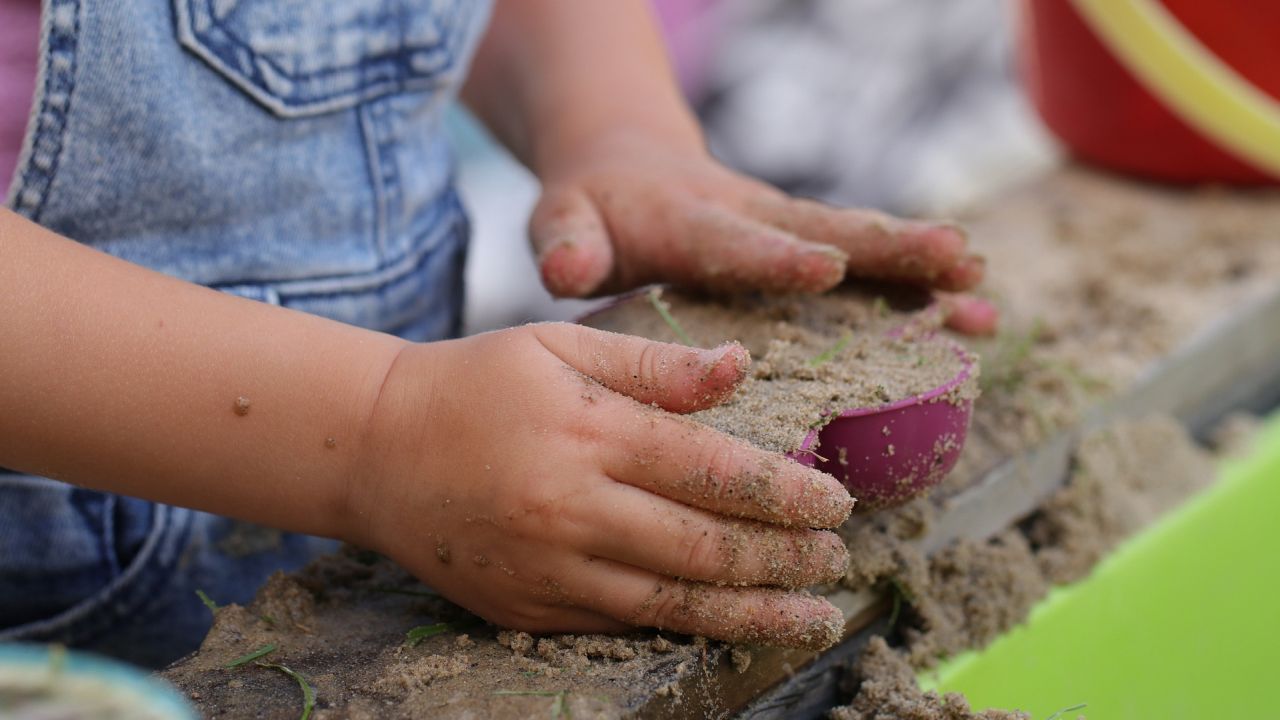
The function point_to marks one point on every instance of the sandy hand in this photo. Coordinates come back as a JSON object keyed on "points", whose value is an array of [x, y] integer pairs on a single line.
{"points": [[539, 477], [633, 211]]}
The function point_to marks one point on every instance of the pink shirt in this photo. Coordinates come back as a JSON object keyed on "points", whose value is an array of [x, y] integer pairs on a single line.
{"points": [[19, 53]]}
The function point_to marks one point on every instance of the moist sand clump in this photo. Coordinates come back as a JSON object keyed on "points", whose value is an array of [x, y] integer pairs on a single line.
{"points": [[814, 355], [968, 593], [964, 596], [343, 623], [1124, 479], [888, 691]]}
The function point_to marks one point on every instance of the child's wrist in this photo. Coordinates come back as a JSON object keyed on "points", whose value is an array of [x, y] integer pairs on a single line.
{"points": [[393, 422], [575, 145]]}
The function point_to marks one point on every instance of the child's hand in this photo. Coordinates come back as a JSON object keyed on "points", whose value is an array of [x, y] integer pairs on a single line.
{"points": [[535, 477], [630, 208]]}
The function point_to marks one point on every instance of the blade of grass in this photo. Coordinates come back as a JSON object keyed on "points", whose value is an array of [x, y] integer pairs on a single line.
{"points": [[422, 632], [897, 610], [208, 601], [832, 351], [250, 657], [664, 309], [308, 693], [1073, 708], [900, 595], [559, 706]]}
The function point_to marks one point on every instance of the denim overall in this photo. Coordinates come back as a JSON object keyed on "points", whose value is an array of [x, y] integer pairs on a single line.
{"points": [[288, 151]]}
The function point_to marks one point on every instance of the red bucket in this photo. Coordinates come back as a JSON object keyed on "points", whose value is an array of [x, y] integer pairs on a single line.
{"points": [[1105, 114]]}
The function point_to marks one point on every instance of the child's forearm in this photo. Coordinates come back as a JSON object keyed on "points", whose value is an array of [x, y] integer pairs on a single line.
{"points": [[574, 71], [525, 474], [122, 379]]}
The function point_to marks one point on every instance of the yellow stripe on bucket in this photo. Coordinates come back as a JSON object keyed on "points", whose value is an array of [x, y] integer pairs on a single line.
{"points": [[1204, 91]]}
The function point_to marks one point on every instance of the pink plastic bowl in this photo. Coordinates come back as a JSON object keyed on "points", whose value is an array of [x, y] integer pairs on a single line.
{"points": [[889, 454]]}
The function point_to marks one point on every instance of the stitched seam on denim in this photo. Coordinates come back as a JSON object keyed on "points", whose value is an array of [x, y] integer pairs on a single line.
{"points": [[88, 507], [406, 268], [29, 132], [444, 225], [374, 162], [49, 122], [230, 38], [455, 327], [91, 616], [233, 75], [358, 89], [108, 530], [379, 110]]}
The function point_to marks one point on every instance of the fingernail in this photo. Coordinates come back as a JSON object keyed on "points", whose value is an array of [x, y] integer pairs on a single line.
{"points": [[727, 353], [823, 267], [942, 243], [971, 315], [566, 271], [839, 565], [832, 558], [832, 252], [818, 624], [564, 241], [824, 502], [964, 275], [946, 226], [824, 630]]}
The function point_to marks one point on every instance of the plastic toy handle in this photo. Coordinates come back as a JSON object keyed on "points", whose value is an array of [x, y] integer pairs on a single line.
{"points": [[1204, 91]]}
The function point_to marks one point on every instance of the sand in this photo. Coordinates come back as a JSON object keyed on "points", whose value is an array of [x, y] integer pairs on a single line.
{"points": [[888, 691], [814, 356], [969, 593], [342, 623], [1096, 279]]}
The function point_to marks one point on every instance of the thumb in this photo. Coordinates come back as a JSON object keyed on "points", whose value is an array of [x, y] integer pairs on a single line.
{"points": [[571, 243], [674, 377]]}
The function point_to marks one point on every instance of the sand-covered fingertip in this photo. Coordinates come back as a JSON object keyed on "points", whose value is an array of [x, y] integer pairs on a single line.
{"points": [[802, 621], [816, 499], [725, 367], [775, 489], [825, 630], [819, 268]]}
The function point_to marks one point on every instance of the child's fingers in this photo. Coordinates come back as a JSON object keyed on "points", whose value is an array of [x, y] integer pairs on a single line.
{"points": [[969, 315], [762, 616], [964, 275], [693, 464], [673, 377], [559, 619], [726, 251], [878, 245], [571, 243], [667, 537]]}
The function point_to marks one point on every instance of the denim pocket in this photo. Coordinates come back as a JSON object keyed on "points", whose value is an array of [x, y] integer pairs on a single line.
{"points": [[307, 57]]}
